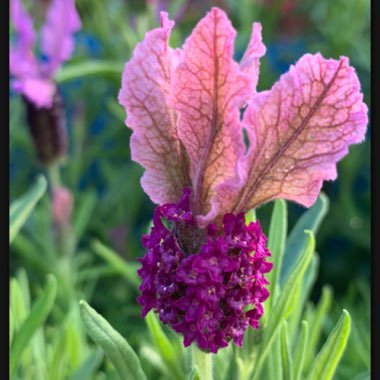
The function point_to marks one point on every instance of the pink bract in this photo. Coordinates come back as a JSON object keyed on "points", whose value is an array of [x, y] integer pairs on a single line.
{"points": [[34, 79], [184, 107]]}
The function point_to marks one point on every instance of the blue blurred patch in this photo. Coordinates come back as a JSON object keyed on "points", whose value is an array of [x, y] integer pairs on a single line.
{"points": [[281, 54]]}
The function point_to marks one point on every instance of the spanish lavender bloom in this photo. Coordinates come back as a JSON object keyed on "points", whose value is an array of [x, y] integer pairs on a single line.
{"points": [[204, 269], [34, 79]]}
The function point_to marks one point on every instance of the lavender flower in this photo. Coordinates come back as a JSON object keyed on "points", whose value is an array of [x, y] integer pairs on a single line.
{"points": [[34, 79], [204, 270]]}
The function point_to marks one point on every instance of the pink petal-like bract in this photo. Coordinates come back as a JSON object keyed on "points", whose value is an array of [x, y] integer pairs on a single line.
{"points": [[21, 58], [208, 90], [250, 62], [299, 130], [184, 107], [38, 90], [145, 93], [57, 33]]}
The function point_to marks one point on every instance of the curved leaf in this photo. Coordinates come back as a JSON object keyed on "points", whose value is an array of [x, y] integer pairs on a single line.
{"points": [[300, 350], [164, 346], [39, 312], [121, 354], [284, 303], [127, 269], [80, 70], [22, 207], [276, 245], [328, 358], [285, 353], [310, 220]]}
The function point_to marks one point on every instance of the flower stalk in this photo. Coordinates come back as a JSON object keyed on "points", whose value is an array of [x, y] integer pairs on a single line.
{"points": [[203, 361]]}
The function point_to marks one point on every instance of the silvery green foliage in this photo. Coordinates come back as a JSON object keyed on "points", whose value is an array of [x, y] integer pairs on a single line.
{"points": [[298, 340], [288, 344]]}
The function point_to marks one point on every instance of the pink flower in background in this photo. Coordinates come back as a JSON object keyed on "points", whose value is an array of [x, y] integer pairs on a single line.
{"points": [[184, 107], [62, 206], [33, 78]]}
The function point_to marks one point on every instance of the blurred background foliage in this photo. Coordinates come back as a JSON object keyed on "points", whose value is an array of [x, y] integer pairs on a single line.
{"points": [[111, 212]]}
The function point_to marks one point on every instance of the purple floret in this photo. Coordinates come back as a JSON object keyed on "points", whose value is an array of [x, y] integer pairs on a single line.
{"points": [[212, 295]]}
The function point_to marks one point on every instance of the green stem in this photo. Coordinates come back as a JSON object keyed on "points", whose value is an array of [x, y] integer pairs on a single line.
{"points": [[65, 240], [54, 175], [203, 361]]}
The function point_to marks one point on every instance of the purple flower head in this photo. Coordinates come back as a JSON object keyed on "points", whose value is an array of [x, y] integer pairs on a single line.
{"points": [[184, 107], [34, 79], [211, 295]]}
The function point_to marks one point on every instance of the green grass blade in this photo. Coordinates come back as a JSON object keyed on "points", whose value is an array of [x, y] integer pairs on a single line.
{"points": [[273, 364], [285, 353], [284, 303], [325, 363], [17, 303], [118, 350], [38, 313], [21, 208], [303, 294], [164, 346], [316, 324], [83, 213], [276, 245], [300, 349], [82, 69], [194, 373], [127, 269], [310, 220], [87, 370], [11, 326]]}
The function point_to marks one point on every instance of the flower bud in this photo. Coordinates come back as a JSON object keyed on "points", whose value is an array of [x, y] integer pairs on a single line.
{"points": [[47, 127], [62, 206]]}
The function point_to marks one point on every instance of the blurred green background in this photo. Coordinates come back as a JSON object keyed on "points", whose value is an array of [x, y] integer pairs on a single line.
{"points": [[109, 204]]}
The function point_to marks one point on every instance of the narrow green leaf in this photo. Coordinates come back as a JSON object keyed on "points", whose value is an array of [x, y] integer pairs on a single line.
{"points": [[302, 296], [310, 220], [194, 373], [273, 362], [39, 312], [31, 254], [164, 346], [11, 326], [82, 69], [120, 353], [17, 303], [300, 349], [116, 110], [285, 353], [316, 324], [150, 357], [21, 208], [22, 279], [90, 365], [204, 361], [284, 303], [128, 270], [325, 363], [363, 376], [83, 213], [276, 245]]}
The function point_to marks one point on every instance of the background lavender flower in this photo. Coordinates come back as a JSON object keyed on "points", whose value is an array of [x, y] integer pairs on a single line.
{"points": [[34, 78]]}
